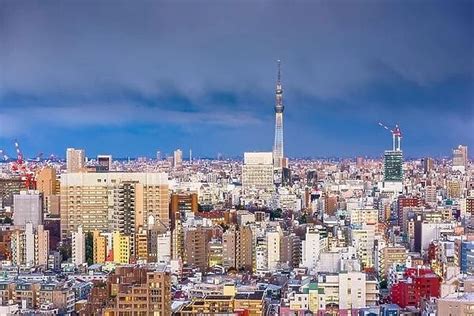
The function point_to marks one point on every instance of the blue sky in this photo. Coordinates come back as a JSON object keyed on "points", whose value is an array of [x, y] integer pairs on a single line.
{"points": [[132, 77]]}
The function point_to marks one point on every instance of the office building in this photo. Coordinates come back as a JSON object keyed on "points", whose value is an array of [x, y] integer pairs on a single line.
{"points": [[257, 172], [75, 160], [393, 166], [28, 207]]}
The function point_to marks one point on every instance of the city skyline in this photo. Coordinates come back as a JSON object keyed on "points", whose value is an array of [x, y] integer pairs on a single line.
{"points": [[133, 80]]}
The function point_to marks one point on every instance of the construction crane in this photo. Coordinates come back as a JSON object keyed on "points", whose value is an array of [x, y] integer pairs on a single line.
{"points": [[19, 166], [4, 155], [396, 136]]}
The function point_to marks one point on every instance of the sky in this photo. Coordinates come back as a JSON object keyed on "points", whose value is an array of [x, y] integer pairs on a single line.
{"points": [[133, 77]]}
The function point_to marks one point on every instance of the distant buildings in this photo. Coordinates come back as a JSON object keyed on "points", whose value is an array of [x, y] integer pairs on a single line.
{"points": [[177, 158], [460, 158], [104, 162]]}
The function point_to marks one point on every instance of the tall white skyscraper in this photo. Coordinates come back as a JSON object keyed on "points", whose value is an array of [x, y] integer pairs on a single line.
{"points": [[75, 159]]}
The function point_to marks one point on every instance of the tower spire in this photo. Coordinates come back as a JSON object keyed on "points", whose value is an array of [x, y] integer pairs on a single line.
{"points": [[279, 72], [279, 107]]}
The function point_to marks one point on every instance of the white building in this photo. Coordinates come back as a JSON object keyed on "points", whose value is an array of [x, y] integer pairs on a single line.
{"points": [[273, 247], [257, 172], [78, 244], [163, 247], [28, 207], [312, 247]]}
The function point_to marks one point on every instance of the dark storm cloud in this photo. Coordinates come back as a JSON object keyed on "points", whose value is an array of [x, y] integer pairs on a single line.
{"points": [[212, 62]]}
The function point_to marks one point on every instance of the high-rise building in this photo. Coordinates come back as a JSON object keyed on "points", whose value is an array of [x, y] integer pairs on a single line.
{"points": [[273, 236], [46, 181], [291, 250], [104, 162], [86, 200], [278, 153], [237, 248], [393, 166], [177, 158], [28, 207], [311, 247], [75, 160], [30, 246], [257, 172], [48, 185], [78, 246], [195, 242], [460, 158]]}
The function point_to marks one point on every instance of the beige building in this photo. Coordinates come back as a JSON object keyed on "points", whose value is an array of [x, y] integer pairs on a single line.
{"points": [[196, 242], [140, 292], [237, 248], [456, 305], [75, 160], [257, 172], [391, 255], [30, 246], [48, 184], [94, 201]]}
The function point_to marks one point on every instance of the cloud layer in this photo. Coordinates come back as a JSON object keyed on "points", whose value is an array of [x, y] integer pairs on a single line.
{"points": [[204, 72]]}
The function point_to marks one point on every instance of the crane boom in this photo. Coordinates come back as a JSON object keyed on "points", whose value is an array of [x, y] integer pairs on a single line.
{"points": [[396, 136]]}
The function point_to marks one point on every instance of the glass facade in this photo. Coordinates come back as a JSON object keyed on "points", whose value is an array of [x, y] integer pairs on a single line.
{"points": [[393, 164]]}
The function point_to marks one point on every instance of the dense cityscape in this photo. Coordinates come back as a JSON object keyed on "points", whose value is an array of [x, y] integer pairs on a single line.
{"points": [[237, 158], [264, 236]]}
